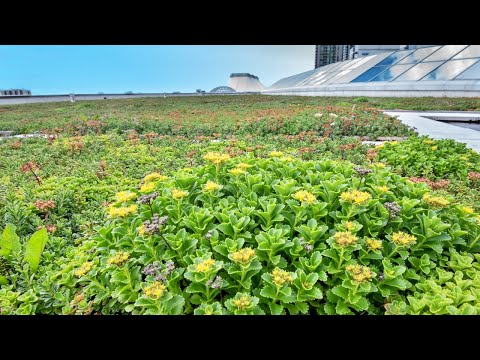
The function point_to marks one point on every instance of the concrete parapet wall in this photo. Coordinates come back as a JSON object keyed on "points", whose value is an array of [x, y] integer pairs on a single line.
{"points": [[12, 100]]}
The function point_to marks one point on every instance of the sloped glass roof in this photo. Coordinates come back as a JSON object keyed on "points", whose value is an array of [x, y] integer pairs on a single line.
{"points": [[433, 63]]}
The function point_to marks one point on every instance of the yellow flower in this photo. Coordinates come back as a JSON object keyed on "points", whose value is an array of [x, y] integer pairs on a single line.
{"points": [[345, 238], [141, 230], [395, 142], [210, 186], [434, 148], [355, 197], [154, 176], [237, 171], [382, 189], [85, 268], [435, 200], [204, 266], [243, 302], [122, 211], [304, 196], [360, 273], [402, 239], [216, 158], [281, 277], [380, 165], [350, 225], [124, 196], [276, 154], [373, 244], [243, 165], [467, 210], [119, 258], [147, 187], [380, 146], [179, 194], [155, 290], [287, 158], [429, 142], [243, 256]]}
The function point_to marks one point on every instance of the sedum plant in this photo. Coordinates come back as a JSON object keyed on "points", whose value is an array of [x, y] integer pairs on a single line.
{"points": [[283, 237]]}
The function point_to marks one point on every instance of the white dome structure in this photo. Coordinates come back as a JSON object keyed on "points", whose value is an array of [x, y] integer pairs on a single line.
{"points": [[244, 82], [223, 90]]}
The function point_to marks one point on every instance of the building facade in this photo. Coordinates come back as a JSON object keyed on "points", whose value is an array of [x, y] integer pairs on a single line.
{"points": [[15, 92], [329, 54]]}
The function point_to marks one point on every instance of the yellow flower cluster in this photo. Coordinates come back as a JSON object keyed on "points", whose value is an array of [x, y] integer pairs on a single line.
{"points": [[155, 290], [373, 244], [216, 158], [276, 154], [243, 165], [360, 273], [179, 194], [237, 171], [243, 256], [147, 187], [402, 239], [345, 238], [356, 197], [350, 225], [380, 165], [204, 266], [211, 186], [467, 210], [287, 158], [119, 258], [435, 200], [243, 302], [434, 148], [380, 146], [124, 196], [281, 277], [122, 211], [395, 142], [85, 268], [141, 230], [382, 189], [154, 176], [429, 142], [304, 196]]}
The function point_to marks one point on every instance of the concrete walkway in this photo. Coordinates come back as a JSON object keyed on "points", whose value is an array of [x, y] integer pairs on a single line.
{"points": [[441, 130]]}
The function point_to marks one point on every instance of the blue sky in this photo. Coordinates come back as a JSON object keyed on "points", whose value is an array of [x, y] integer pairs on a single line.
{"points": [[91, 69]]}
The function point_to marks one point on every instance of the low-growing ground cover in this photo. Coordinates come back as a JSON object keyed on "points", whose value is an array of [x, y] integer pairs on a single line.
{"points": [[189, 116], [235, 206]]}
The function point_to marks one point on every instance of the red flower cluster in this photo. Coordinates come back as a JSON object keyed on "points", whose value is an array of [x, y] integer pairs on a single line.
{"points": [[29, 166], [435, 185], [44, 205]]}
